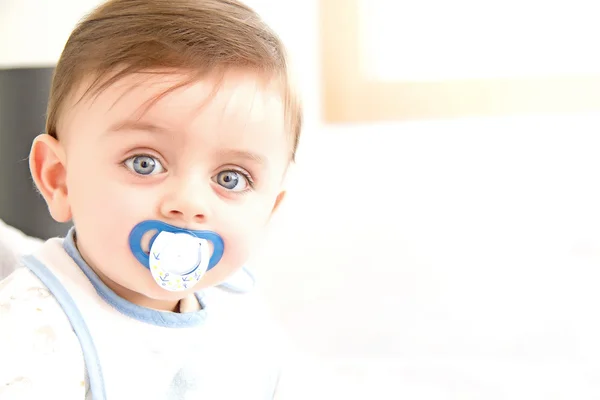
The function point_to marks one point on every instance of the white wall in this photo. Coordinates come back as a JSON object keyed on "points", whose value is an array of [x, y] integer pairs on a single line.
{"points": [[33, 32], [477, 281]]}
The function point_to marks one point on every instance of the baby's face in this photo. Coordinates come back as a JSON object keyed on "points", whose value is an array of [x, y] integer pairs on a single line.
{"points": [[190, 160]]}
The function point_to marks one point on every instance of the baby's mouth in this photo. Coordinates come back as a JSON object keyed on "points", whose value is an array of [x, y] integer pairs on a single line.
{"points": [[146, 240]]}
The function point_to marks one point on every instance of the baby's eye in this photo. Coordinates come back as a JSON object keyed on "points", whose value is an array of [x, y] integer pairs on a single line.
{"points": [[144, 165], [235, 181]]}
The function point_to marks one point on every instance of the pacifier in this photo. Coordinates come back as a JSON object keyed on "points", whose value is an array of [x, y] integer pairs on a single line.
{"points": [[178, 258]]}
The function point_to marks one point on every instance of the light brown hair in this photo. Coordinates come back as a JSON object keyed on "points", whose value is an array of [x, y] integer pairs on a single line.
{"points": [[123, 37]]}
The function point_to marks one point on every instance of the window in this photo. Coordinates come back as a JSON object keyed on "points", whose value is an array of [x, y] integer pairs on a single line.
{"points": [[407, 59]]}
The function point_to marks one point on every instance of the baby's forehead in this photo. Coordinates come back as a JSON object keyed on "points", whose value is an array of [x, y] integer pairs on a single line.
{"points": [[173, 98]]}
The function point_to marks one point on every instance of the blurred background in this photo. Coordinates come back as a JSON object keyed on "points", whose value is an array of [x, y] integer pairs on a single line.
{"points": [[441, 239]]}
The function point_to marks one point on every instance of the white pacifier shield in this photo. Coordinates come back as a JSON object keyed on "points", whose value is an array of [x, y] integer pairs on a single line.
{"points": [[178, 260]]}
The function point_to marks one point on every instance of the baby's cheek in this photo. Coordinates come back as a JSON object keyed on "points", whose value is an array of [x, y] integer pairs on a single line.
{"points": [[246, 231], [237, 248], [239, 245]]}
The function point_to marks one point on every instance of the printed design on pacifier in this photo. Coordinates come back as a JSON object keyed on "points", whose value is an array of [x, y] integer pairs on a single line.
{"points": [[178, 258]]}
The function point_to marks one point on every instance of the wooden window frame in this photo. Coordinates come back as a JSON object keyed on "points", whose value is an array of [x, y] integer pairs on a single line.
{"points": [[350, 96]]}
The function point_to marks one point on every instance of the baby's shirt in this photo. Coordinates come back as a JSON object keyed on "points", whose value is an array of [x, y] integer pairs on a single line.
{"points": [[64, 334]]}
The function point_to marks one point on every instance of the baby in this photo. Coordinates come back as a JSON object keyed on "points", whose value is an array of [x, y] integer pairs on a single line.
{"points": [[171, 126]]}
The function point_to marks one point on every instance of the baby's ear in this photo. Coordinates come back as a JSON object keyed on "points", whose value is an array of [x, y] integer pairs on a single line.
{"points": [[285, 182], [48, 169], [278, 201]]}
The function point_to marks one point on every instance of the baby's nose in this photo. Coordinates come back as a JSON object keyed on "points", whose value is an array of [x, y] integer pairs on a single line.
{"points": [[187, 204]]}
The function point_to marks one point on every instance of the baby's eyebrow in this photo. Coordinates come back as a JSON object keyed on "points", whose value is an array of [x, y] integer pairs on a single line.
{"points": [[243, 155], [135, 125]]}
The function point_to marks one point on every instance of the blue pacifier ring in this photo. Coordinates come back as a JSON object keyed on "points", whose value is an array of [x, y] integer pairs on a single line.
{"points": [[138, 232]]}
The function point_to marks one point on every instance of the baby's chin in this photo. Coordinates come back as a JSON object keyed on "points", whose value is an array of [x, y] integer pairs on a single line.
{"points": [[155, 292], [149, 288]]}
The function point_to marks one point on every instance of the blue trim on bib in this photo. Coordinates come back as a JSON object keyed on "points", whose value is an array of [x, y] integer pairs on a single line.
{"points": [[90, 356]]}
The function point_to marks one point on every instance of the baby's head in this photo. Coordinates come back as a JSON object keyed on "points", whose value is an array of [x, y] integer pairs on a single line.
{"points": [[176, 111]]}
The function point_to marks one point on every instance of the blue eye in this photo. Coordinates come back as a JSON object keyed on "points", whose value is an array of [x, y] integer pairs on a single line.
{"points": [[232, 180], [144, 165]]}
